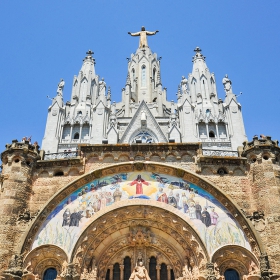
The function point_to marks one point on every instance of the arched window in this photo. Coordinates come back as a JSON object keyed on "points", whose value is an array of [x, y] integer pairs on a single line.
{"points": [[154, 77], [127, 268], [133, 77], [50, 274], [211, 134], [152, 268], [143, 76], [163, 271], [172, 275], [85, 131], [116, 272], [107, 275], [75, 131], [231, 274], [66, 131]]}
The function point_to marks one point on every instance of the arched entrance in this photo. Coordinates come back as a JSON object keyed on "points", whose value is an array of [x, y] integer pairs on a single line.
{"points": [[128, 234], [140, 211]]}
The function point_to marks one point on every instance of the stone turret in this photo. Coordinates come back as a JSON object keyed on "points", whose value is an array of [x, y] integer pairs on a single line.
{"points": [[19, 160], [262, 149]]}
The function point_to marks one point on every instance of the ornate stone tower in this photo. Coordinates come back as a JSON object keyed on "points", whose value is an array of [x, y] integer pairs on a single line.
{"points": [[203, 116], [19, 160]]}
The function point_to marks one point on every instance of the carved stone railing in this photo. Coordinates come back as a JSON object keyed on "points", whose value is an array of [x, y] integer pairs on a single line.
{"points": [[62, 155], [203, 140], [219, 153]]}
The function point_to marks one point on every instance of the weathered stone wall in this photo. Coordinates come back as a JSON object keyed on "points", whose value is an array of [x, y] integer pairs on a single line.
{"points": [[253, 186]]}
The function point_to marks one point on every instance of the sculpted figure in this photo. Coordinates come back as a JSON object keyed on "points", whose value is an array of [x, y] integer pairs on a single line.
{"points": [[93, 274], [227, 84], [139, 273], [184, 84], [84, 275], [143, 36], [102, 87], [60, 87]]}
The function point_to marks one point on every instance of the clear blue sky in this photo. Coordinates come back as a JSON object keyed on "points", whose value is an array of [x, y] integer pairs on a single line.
{"points": [[43, 41]]}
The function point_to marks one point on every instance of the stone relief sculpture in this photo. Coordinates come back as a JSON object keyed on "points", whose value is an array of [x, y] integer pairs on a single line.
{"points": [[143, 36], [139, 273]]}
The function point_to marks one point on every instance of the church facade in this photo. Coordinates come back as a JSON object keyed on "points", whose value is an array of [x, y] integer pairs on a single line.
{"points": [[145, 188]]}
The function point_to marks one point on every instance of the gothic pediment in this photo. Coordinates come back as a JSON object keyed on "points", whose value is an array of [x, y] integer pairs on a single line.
{"points": [[55, 105], [138, 123], [187, 103], [232, 102]]}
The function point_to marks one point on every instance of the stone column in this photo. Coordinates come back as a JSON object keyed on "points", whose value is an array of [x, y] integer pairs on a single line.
{"points": [[158, 271], [168, 272], [207, 130], [71, 130], [111, 272], [81, 126], [217, 131], [121, 270], [148, 266], [227, 132]]}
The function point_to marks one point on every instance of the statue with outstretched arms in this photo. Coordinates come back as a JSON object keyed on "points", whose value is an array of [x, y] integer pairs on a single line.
{"points": [[143, 36]]}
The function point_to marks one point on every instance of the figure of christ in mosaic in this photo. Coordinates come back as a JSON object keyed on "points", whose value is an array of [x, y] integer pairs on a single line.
{"points": [[138, 182]]}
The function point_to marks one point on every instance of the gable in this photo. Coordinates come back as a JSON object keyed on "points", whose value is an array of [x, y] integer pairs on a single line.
{"points": [[135, 125]]}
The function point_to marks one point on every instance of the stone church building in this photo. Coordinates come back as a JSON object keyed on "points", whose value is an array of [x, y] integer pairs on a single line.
{"points": [[142, 189]]}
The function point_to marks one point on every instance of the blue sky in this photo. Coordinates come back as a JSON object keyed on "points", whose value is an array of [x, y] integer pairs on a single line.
{"points": [[44, 41]]}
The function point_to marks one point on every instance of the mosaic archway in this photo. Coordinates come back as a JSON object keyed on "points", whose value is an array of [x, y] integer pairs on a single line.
{"points": [[211, 219]]}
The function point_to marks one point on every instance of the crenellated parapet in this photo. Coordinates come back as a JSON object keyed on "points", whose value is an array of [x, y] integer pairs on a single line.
{"points": [[22, 151], [261, 150]]}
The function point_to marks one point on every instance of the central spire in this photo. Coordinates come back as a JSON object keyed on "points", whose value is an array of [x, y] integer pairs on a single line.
{"points": [[143, 42]]}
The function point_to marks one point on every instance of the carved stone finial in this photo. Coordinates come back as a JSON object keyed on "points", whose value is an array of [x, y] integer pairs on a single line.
{"points": [[89, 53], [197, 50]]}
